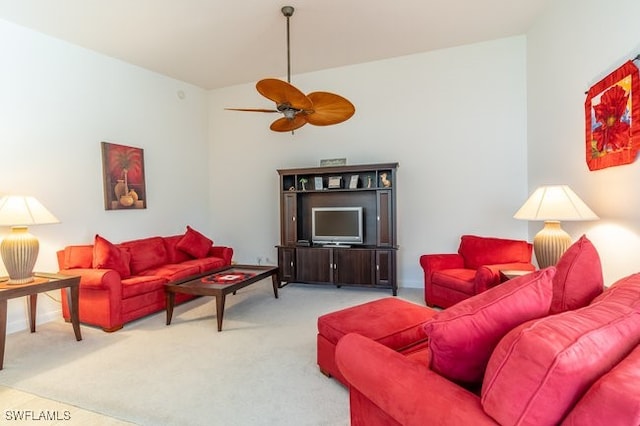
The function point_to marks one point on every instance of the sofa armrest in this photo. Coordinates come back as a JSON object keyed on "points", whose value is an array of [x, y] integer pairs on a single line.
{"points": [[438, 262], [222, 252], [406, 390], [95, 279], [488, 276]]}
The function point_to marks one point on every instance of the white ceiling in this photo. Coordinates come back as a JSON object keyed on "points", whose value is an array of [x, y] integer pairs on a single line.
{"points": [[219, 43]]}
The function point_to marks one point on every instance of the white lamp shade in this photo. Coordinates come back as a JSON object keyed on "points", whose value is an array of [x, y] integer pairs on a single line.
{"points": [[19, 249], [20, 210], [555, 202]]}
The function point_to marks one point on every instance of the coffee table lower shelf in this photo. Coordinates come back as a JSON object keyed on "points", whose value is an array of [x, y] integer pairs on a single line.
{"points": [[238, 276]]}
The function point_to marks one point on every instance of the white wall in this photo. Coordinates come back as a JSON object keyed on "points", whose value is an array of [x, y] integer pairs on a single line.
{"points": [[577, 43], [57, 103], [454, 119]]}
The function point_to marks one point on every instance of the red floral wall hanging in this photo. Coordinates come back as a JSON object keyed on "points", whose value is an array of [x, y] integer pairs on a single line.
{"points": [[612, 113]]}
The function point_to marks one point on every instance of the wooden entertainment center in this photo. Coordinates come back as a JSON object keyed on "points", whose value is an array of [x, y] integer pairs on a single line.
{"points": [[371, 187]]}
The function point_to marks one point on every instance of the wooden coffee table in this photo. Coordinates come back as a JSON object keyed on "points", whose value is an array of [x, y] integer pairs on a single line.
{"points": [[221, 282]]}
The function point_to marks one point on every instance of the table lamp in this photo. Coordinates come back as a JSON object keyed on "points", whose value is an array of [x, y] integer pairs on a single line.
{"points": [[19, 249], [552, 204]]}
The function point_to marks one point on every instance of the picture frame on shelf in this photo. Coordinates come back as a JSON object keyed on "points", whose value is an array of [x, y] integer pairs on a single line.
{"points": [[335, 182], [353, 182], [317, 183]]}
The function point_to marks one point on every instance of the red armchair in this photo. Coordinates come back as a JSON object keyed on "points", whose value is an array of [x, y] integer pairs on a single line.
{"points": [[453, 277]]}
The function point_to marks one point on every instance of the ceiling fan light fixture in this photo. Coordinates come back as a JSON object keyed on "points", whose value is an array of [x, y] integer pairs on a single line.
{"points": [[287, 11], [298, 109]]}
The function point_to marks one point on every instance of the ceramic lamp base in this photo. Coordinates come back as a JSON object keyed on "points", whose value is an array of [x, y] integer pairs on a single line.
{"points": [[19, 252], [550, 244]]}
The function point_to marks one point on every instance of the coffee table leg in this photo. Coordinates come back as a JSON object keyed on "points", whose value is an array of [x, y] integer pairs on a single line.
{"points": [[171, 298], [275, 278], [73, 298], [3, 328], [220, 309]]}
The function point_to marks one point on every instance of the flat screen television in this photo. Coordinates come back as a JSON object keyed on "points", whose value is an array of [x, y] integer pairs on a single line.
{"points": [[336, 225]]}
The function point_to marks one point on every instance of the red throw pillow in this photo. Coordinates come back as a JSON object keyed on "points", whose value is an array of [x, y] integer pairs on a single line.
{"points": [[194, 243], [578, 278], [108, 256], [462, 337]]}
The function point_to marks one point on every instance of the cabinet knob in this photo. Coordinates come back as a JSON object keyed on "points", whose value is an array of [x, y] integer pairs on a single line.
{"points": [[377, 267], [292, 263], [294, 218], [378, 218]]}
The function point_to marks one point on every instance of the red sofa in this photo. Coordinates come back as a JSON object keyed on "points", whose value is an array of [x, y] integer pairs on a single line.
{"points": [[452, 277], [123, 282], [543, 349]]}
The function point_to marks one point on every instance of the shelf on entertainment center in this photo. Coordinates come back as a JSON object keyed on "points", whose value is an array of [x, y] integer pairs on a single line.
{"points": [[369, 186]]}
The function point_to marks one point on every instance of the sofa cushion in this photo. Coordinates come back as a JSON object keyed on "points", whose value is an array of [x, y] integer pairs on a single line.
{"points": [[462, 337], [78, 257], [175, 255], [456, 279], [194, 243], [173, 271], [543, 377], [578, 278], [624, 291], [108, 256], [146, 253], [206, 264], [137, 285], [613, 399], [478, 251]]}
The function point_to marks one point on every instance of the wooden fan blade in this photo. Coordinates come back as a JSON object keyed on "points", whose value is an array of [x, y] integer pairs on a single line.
{"points": [[282, 93], [329, 108], [285, 125], [252, 109]]}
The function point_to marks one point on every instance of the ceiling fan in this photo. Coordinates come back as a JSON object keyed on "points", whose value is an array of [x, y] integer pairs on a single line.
{"points": [[317, 108]]}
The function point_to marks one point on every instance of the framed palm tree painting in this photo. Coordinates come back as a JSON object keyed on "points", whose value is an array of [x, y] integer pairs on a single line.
{"points": [[123, 177]]}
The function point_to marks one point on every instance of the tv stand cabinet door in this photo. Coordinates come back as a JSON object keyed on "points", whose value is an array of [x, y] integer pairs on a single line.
{"points": [[286, 263], [353, 266], [314, 265], [289, 217], [386, 270]]}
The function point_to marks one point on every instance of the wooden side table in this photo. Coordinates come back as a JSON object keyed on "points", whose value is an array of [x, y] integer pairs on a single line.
{"points": [[42, 283], [509, 274]]}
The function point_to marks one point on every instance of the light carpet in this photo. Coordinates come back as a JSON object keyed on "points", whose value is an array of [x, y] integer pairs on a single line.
{"points": [[260, 370]]}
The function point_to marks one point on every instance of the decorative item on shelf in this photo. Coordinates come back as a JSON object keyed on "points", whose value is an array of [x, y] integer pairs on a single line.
{"points": [[552, 204], [335, 182], [318, 183], [19, 249], [369, 181], [353, 183], [303, 183], [385, 182]]}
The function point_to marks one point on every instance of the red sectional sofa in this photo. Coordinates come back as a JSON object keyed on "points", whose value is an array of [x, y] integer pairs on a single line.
{"points": [[544, 349], [123, 282]]}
